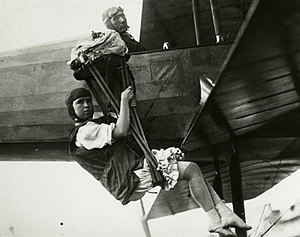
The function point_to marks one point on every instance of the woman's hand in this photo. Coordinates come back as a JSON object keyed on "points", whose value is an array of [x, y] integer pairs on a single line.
{"points": [[123, 123], [127, 95]]}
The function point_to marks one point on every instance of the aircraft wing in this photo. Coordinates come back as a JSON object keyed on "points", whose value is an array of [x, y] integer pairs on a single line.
{"points": [[255, 102], [259, 81], [254, 105]]}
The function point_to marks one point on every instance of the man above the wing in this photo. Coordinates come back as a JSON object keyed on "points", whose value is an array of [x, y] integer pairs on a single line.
{"points": [[115, 19]]}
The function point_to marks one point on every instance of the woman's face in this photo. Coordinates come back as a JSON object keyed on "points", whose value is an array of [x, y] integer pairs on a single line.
{"points": [[83, 107]]}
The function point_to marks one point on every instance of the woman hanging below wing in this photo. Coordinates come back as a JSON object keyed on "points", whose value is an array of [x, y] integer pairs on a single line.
{"points": [[104, 147]]}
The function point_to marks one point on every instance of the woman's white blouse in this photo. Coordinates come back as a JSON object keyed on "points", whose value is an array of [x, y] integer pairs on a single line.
{"points": [[93, 135]]}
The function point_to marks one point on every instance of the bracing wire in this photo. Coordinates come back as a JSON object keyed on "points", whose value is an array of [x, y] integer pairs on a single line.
{"points": [[276, 174], [273, 183], [277, 170], [158, 94], [260, 219], [258, 158], [275, 222]]}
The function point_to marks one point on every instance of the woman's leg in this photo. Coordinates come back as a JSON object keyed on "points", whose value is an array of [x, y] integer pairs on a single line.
{"points": [[202, 194], [207, 198], [199, 189]]}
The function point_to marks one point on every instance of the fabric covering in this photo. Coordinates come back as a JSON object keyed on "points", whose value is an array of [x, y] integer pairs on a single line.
{"points": [[108, 42], [167, 164]]}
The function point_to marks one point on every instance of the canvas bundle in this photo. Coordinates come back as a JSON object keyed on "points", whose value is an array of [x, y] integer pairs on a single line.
{"points": [[100, 44]]}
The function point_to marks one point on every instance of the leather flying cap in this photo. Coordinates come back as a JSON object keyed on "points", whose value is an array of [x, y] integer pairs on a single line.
{"points": [[73, 95], [111, 12]]}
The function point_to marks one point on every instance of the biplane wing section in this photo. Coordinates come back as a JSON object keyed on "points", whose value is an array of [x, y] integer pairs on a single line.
{"points": [[259, 81], [35, 81], [254, 105]]}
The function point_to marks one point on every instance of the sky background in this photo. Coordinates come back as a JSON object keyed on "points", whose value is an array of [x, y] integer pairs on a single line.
{"points": [[53, 199], [60, 198], [30, 22]]}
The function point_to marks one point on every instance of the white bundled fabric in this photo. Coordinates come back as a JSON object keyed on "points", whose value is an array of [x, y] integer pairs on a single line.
{"points": [[167, 164], [108, 42]]}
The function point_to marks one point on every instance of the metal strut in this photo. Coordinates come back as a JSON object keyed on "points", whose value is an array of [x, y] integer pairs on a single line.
{"points": [[98, 82], [133, 113]]}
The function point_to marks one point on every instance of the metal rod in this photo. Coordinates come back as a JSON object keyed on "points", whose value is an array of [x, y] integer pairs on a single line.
{"points": [[104, 88], [94, 88], [115, 104], [196, 17], [156, 176], [133, 113], [144, 220], [214, 6]]}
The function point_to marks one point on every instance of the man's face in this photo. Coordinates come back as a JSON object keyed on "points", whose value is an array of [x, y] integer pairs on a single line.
{"points": [[83, 107], [119, 22]]}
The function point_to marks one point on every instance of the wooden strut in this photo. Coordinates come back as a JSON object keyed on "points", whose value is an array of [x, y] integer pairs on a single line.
{"points": [[135, 126], [237, 189]]}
